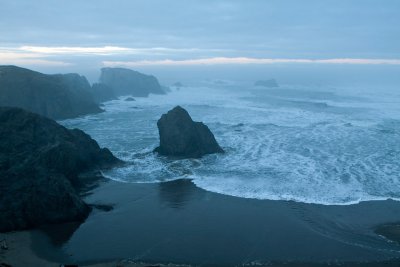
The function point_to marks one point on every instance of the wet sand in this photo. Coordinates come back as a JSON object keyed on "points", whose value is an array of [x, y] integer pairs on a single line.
{"points": [[176, 222], [20, 253], [390, 231]]}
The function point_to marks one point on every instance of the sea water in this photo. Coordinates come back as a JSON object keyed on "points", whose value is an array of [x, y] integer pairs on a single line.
{"points": [[312, 144]]}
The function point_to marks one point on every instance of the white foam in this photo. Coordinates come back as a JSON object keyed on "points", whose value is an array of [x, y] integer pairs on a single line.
{"points": [[278, 147]]}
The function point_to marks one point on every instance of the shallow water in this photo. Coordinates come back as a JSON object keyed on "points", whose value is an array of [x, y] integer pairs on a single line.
{"points": [[314, 145]]}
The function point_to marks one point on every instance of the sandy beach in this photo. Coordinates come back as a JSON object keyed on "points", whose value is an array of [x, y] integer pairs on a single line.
{"points": [[19, 252], [177, 223]]}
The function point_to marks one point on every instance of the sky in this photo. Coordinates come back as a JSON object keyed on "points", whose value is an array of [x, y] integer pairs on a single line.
{"points": [[58, 35]]}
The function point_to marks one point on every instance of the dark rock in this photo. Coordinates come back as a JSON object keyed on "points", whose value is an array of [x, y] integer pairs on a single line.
{"points": [[102, 92], [74, 82], [178, 84], [180, 136], [3, 245], [130, 99], [130, 82], [267, 83], [59, 96], [103, 207], [220, 82], [40, 166]]}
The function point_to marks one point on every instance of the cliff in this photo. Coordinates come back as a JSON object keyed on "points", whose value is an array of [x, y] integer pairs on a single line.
{"points": [[129, 82], [40, 166], [59, 96]]}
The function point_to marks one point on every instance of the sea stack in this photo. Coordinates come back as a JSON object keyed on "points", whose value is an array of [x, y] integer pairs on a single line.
{"points": [[40, 166], [102, 93], [182, 137], [129, 82]]}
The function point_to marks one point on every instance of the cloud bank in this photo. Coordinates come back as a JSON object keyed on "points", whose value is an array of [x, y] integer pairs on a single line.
{"points": [[187, 32], [117, 56], [245, 60]]}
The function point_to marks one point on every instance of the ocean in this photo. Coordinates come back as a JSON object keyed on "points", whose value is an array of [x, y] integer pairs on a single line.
{"points": [[309, 174], [310, 144]]}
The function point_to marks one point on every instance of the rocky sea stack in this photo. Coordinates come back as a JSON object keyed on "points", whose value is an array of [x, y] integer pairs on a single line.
{"points": [[182, 137], [40, 167], [59, 96], [129, 82], [102, 93], [129, 99]]}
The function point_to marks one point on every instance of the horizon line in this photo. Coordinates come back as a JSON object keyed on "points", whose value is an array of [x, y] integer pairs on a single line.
{"points": [[247, 60]]}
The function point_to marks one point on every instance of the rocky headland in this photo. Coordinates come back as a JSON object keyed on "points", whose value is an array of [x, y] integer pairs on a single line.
{"points": [[129, 82], [41, 170], [59, 96]]}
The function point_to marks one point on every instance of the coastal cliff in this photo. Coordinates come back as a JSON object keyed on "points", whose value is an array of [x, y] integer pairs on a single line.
{"points": [[59, 96], [40, 167], [129, 82]]}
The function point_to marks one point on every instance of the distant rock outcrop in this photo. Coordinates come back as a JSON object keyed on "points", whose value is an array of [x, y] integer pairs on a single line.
{"points": [[40, 164], [102, 93], [267, 83], [129, 82], [182, 137], [130, 99], [58, 96], [178, 84]]}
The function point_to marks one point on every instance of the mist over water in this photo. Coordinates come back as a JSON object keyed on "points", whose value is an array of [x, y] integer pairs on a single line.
{"points": [[315, 144]]}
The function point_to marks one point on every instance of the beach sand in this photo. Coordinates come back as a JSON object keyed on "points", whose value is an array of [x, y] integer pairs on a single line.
{"points": [[19, 253], [178, 223]]}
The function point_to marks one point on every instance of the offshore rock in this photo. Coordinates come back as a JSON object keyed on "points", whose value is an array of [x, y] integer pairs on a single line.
{"points": [[129, 82], [182, 137], [102, 93]]}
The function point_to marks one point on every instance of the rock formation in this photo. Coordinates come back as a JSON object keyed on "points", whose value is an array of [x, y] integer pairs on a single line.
{"points": [[102, 93], [129, 99], [182, 137], [128, 82], [267, 83], [58, 96], [40, 166], [178, 84]]}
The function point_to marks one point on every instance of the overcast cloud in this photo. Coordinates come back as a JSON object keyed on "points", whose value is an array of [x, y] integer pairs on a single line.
{"points": [[128, 32]]}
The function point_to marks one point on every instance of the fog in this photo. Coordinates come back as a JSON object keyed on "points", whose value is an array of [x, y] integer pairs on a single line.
{"points": [[342, 75]]}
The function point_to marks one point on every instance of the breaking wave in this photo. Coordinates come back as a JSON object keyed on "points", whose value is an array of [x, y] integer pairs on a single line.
{"points": [[306, 145]]}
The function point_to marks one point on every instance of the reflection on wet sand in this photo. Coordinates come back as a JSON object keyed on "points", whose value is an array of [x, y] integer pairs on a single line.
{"points": [[176, 194]]}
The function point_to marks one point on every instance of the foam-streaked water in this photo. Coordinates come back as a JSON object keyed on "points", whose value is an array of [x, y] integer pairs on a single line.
{"points": [[314, 145]]}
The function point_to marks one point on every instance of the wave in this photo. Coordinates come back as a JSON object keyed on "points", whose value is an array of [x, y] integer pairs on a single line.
{"points": [[296, 150]]}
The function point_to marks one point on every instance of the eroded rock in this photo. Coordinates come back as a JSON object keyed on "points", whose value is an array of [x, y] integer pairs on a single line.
{"points": [[180, 136]]}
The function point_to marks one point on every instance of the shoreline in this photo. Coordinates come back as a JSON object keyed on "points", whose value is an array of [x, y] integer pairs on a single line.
{"points": [[181, 223], [20, 253]]}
